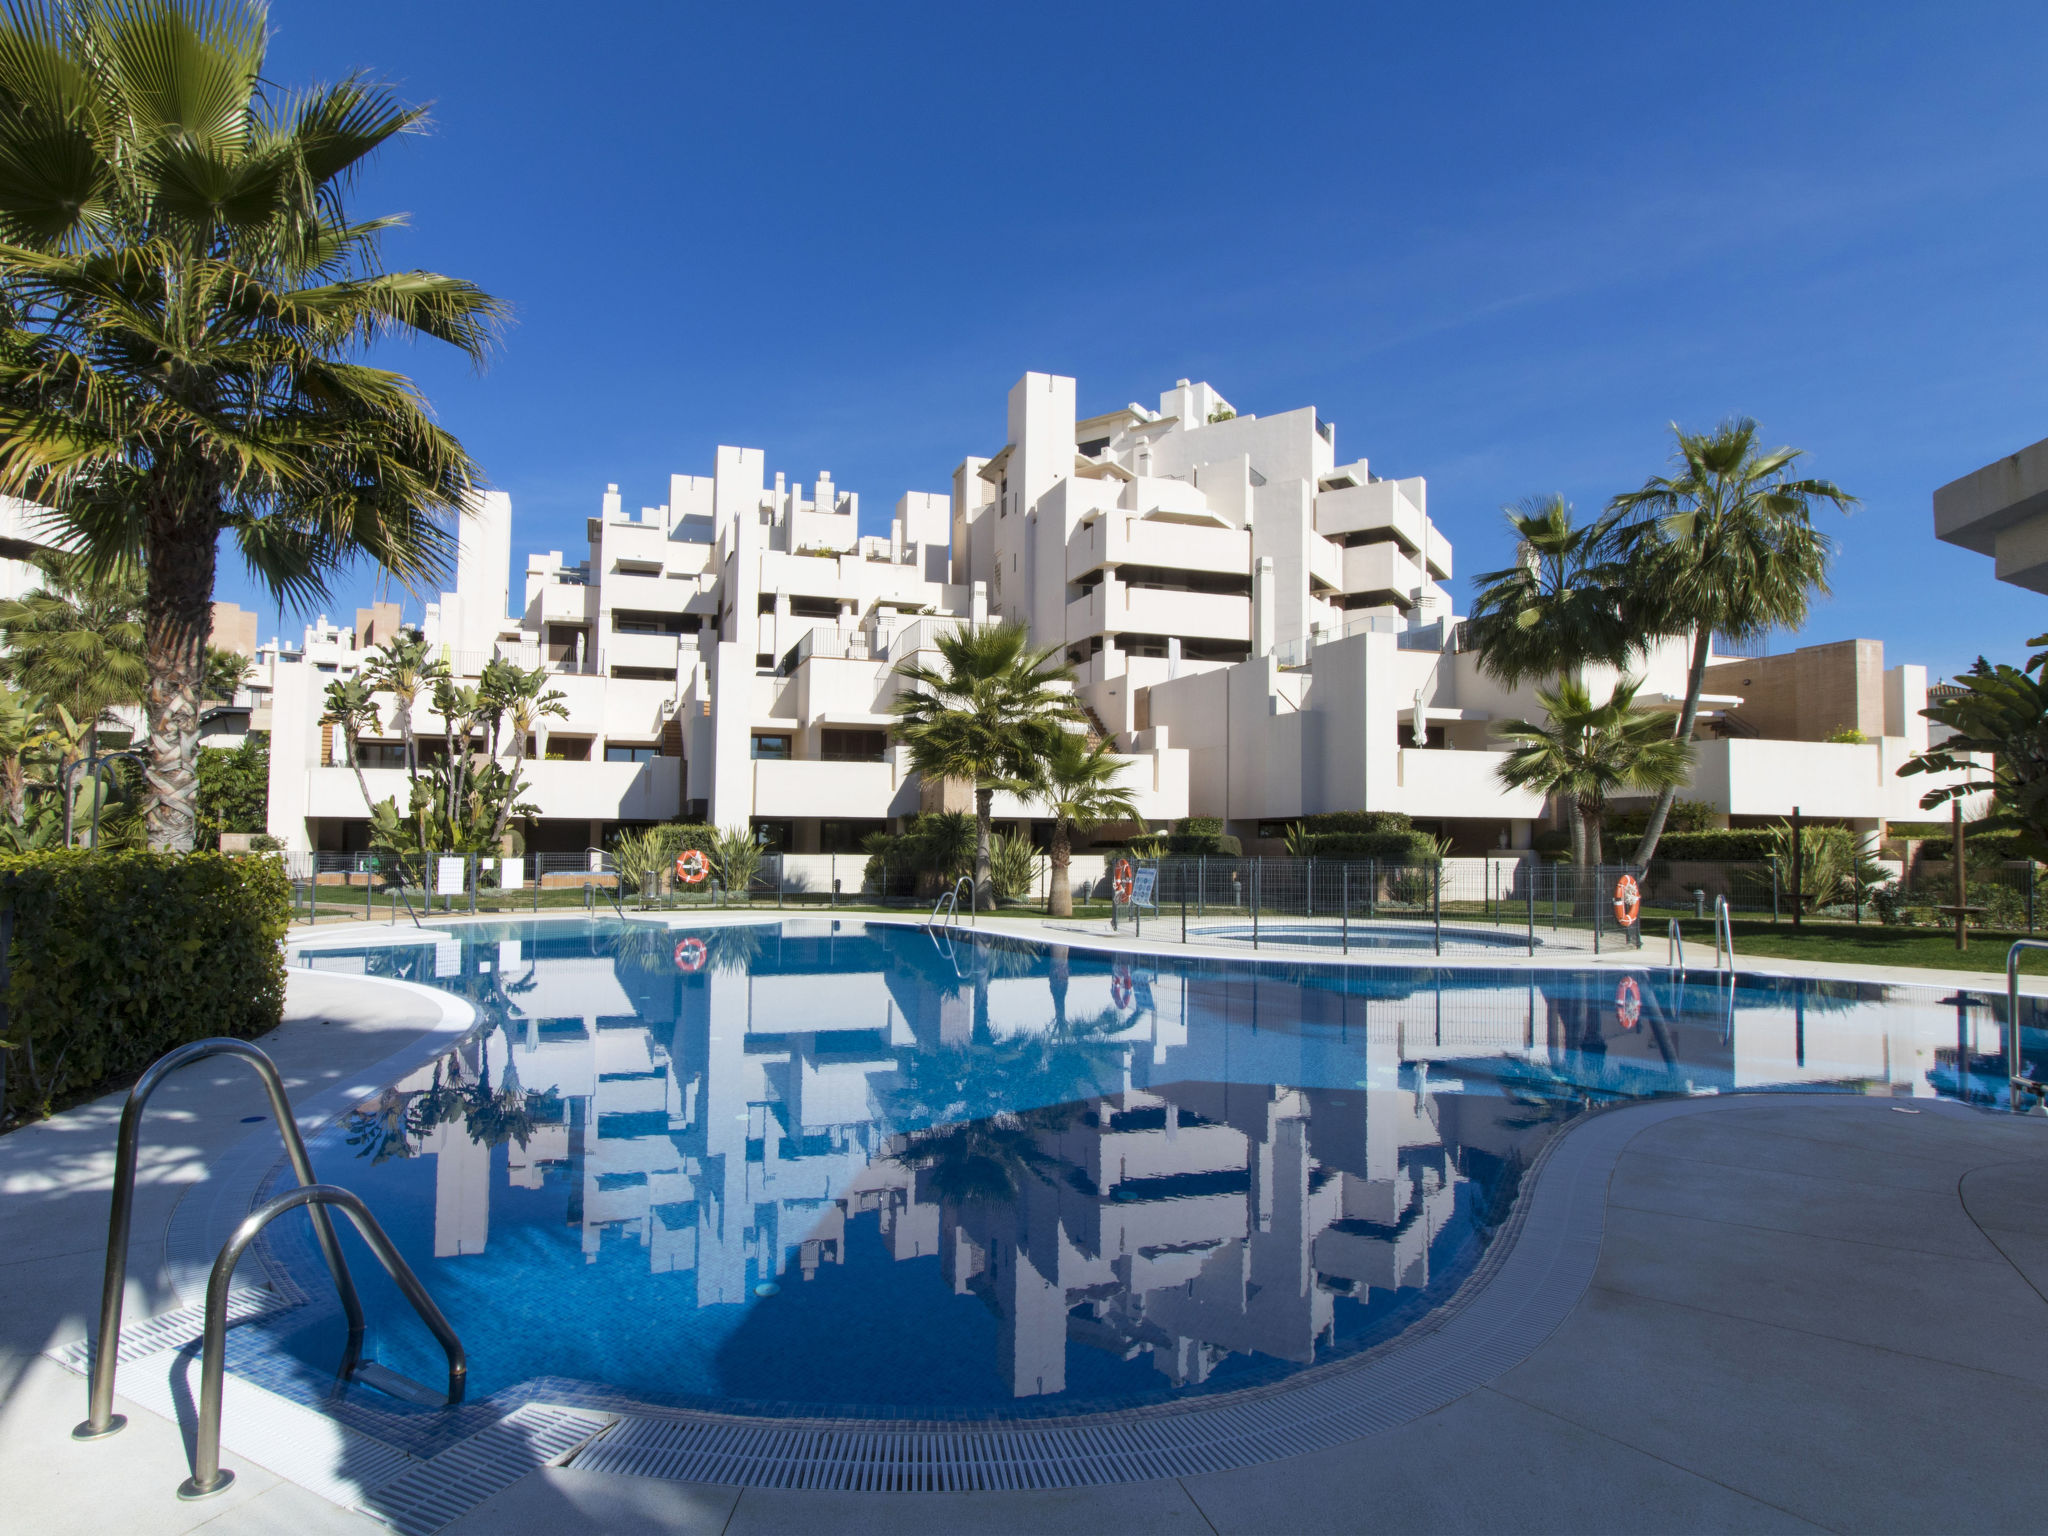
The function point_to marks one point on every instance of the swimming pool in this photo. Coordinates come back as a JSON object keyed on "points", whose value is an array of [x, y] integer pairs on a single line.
{"points": [[831, 1168]]}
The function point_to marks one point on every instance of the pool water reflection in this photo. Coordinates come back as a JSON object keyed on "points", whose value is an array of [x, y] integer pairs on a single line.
{"points": [[830, 1167]]}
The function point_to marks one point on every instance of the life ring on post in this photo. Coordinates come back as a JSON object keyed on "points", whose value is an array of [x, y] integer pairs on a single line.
{"points": [[690, 955], [1122, 881], [1628, 1003], [1628, 901], [1120, 989], [692, 867]]}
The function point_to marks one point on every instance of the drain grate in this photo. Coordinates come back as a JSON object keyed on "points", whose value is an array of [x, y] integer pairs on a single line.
{"points": [[429, 1494], [173, 1329]]}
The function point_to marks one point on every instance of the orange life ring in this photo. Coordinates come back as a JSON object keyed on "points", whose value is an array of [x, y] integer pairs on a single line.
{"points": [[1628, 901], [1628, 1003], [690, 955], [1122, 880], [692, 866], [1120, 987]]}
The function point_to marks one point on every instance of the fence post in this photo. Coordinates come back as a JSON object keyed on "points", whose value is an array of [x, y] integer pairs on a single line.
{"points": [[2030, 893], [1372, 891], [1183, 911], [473, 872], [1436, 905], [1346, 882], [1531, 878], [1252, 893], [1596, 907], [1201, 881], [536, 882], [1774, 888], [369, 894], [1308, 889]]}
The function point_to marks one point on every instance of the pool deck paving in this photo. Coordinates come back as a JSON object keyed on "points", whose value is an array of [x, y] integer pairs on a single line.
{"points": [[1808, 1312]]}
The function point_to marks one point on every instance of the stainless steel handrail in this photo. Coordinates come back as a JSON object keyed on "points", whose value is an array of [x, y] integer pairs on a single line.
{"points": [[101, 1420], [951, 902], [208, 1475], [2012, 1015], [1674, 948], [1724, 926]]}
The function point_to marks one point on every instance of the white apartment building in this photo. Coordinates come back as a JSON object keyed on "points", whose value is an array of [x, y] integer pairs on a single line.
{"points": [[1263, 632]]}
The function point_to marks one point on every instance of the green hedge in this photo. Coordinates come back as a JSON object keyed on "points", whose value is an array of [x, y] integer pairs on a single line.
{"points": [[121, 956], [2004, 843], [1393, 847], [1331, 822], [1726, 843], [1202, 835]]}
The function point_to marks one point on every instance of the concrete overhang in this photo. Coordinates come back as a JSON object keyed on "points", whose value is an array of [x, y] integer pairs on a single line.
{"points": [[2001, 510]]}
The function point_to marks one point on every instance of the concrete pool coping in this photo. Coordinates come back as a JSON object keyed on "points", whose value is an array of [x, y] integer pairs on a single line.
{"points": [[607, 1499]]}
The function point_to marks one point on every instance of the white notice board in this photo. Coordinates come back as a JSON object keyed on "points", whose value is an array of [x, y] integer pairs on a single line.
{"points": [[511, 874], [448, 879]]}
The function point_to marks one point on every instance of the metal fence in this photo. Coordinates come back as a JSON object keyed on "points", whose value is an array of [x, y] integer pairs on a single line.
{"points": [[1336, 906]]}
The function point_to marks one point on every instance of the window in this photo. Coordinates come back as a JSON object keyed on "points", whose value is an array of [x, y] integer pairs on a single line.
{"points": [[1092, 447], [380, 754], [766, 603], [772, 749], [646, 674], [814, 607], [847, 836], [764, 661], [633, 622], [568, 749], [842, 746], [617, 752], [774, 836]]}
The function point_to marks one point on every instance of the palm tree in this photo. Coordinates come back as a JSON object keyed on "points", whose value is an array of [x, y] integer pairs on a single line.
{"points": [[1999, 713], [224, 673], [1724, 545], [524, 699], [76, 641], [185, 305], [1556, 610], [351, 707], [405, 669], [991, 715], [20, 734], [1080, 790], [1589, 750]]}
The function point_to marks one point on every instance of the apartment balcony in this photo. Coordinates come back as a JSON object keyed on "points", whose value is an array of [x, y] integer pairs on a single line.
{"points": [[1760, 777], [1379, 568], [802, 787], [625, 648], [1124, 538], [633, 542], [1375, 506], [640, 592], [562, 603], [1193, 615], [650, 791], [1438, 781]]}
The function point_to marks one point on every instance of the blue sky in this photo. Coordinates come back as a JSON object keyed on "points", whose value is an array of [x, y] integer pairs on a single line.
{"points": [[1500, 246]]}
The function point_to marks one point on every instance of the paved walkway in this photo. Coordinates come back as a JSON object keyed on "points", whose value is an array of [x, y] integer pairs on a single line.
{"points": [[1809, 1312]]}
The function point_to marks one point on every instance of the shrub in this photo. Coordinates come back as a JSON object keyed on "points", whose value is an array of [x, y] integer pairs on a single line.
{"points": [[1012, 864], [1358, 821], [1722, 844], [119, 957], [1196, 835], [1999, 843], [939, 846], [1390, 847], [640, 850]]}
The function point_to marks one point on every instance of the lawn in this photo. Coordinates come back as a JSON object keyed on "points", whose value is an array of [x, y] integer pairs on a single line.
{"points": [[1858, 944]]}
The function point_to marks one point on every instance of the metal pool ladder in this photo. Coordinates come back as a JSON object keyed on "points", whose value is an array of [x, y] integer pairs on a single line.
{"points": [[2015, 1081], [208, 1476], [1724, 930], [1674, 951], [950, 903]]}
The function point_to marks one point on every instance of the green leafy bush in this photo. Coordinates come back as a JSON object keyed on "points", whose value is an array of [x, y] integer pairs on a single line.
{"points": [[1012, 865], [1389, 847], [1197, 835], [121, 956], [1999, 843], [1358, 821], [1723, 843]]}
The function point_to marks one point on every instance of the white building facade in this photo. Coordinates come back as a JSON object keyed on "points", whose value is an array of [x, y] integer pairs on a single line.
{"points": [[1262, 631]]}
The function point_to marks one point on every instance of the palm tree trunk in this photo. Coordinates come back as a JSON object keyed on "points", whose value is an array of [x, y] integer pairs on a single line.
{"points": [[1593, 817], [177, 614], [355, 761], [1060, 898], [1695, 684], [511, 792], [984, 809]]}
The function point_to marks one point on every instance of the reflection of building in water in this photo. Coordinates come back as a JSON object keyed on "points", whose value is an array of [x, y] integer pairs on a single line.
{"points": [[1168, 1203]]}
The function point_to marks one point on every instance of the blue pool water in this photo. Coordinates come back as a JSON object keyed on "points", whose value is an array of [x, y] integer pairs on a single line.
{"points": [[832, 1167]]}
